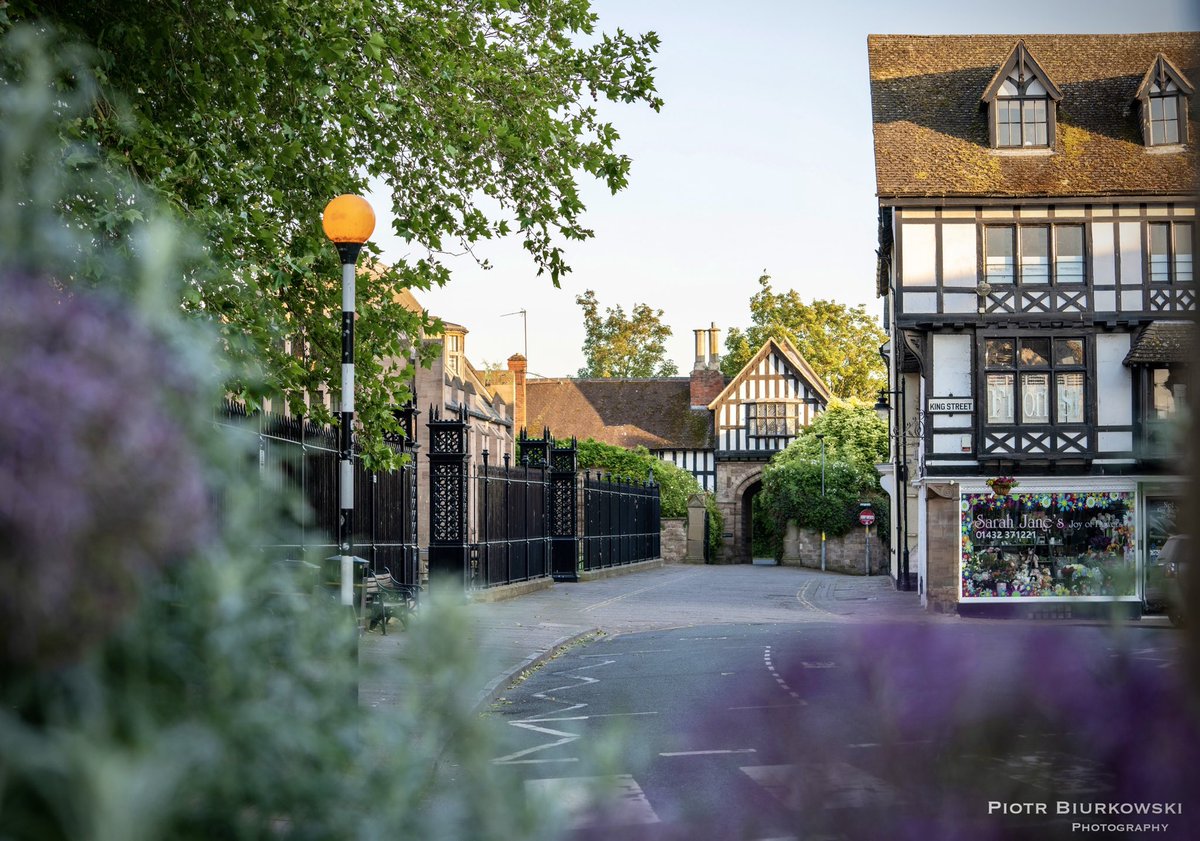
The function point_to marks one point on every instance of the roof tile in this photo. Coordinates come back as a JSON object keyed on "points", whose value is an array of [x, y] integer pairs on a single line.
{"points": [[931, 132]]}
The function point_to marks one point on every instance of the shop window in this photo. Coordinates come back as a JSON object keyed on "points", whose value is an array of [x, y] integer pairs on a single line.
{"points": [[1045, 544], [770, 420], [1038, 381], [1033, 255]]}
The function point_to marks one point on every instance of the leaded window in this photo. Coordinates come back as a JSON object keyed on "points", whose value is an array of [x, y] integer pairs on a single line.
{"points": [[771, 420], [1035, 381]]}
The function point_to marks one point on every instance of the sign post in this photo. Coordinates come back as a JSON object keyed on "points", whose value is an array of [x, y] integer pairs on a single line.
{"points": [[867, 516]]}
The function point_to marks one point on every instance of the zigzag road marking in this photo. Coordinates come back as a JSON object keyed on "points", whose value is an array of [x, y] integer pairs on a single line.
{"points": [[560, 737]]}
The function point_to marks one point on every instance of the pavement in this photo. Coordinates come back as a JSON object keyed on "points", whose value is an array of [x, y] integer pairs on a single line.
{"points": [[517, 635]]}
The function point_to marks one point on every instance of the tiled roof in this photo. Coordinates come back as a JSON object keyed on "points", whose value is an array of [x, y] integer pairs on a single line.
{"points": [[931, 130], [1164, 342], [654, 413]]}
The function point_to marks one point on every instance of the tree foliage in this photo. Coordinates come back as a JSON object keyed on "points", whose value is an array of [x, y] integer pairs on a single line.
{"points": [[161, 679], [619, 345], [247, 117], [840, 342], [853, 434], [676, 485], [855, 441]]}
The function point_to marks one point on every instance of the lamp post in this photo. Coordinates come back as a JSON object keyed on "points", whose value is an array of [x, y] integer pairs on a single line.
{"points": [[348, 222], [821, 439]]}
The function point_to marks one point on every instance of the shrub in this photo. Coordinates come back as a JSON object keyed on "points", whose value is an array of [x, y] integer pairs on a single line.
{"points": [[676, 485], [159, 679]]}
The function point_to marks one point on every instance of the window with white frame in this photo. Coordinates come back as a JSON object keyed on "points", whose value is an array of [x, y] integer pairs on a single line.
{"points": [[1035, 381], [1165, 113], [771, 420], [1022, 113], [1171, 249], [1033, 254], [1022, 101]]}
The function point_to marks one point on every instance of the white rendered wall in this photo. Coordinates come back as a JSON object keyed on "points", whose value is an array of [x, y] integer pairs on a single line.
{"points": [[1114, 395]]}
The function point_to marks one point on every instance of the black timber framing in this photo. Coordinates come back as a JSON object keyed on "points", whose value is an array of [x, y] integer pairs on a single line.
{"points": [[1157, 298]]}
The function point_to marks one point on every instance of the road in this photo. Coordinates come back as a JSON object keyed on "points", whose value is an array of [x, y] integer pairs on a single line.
{"points": [[820, 707]]}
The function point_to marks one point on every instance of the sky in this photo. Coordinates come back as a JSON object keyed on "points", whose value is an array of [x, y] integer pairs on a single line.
{"points": [[760, 160]]}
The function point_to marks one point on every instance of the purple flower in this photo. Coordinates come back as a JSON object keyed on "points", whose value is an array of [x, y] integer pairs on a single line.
{"points": [[100, 484]]}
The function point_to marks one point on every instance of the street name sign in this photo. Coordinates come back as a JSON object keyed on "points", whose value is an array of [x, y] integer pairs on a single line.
{"points": [[950, 405]]}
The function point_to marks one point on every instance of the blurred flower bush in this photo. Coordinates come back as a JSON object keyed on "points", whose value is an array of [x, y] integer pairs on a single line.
{"points": [[158, 679], [99, 486]]}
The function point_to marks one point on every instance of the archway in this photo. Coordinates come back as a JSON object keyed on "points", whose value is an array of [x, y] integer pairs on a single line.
{"points": [[737, 489], [746, 548]]}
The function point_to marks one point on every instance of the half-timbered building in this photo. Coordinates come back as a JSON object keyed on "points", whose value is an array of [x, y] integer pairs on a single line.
{"points": [[1037, 219], [723, 431]]}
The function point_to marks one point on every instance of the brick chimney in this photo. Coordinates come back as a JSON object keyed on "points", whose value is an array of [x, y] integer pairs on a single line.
{"points": [[518, 366], [707, 380]]}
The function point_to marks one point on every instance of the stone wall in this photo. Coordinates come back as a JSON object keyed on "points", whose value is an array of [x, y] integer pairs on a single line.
{"points": [[734, 478], [847, 554], [942, 522], [673, 547]]}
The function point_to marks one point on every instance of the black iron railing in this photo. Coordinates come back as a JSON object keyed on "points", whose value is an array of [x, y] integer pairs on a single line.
{"points": [[510, 541], [621, 522], [299, 458], [500, 524]]}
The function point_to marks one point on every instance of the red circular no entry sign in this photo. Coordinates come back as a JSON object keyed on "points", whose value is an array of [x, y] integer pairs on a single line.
{"points": [[866, 517]]}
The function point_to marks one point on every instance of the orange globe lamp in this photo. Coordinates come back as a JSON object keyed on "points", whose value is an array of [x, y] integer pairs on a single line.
{"points": [[348, 219]]}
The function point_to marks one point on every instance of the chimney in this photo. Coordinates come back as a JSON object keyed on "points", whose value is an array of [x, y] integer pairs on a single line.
{"points": [[706, 381], [518, 366], [714, 358]]}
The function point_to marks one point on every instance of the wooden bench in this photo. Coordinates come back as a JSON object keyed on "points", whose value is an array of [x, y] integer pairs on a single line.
{"points": [[384, 598]]}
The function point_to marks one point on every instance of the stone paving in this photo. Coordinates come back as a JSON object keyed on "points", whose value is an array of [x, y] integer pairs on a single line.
{"points": [[519, 633]]}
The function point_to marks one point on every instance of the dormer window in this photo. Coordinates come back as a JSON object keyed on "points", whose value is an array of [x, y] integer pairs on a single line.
{"points": [[1021, 113], [1164, 96], [1021, 103]]}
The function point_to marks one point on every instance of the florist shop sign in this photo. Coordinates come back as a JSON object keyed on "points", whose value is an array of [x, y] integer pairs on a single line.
{"points": [[1040, 544]]}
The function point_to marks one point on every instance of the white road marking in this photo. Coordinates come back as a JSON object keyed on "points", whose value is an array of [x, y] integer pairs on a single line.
{"points": [[800, 703], [707, 752], [587, 717], [627, 653], [561, 737], [775, 674], [615, 800]]}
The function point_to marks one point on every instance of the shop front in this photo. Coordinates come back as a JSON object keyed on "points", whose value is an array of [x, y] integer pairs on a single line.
{"points": [[1043, 542]]}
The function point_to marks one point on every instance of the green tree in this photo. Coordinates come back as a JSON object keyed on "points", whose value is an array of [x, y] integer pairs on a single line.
{"points": [[162, 679], [840, 342], [855, 441], [853, 434], [617, 345], [246, 117]]}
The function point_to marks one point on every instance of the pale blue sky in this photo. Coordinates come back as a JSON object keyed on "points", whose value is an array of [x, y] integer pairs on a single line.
{"points": [[760, 159]]}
